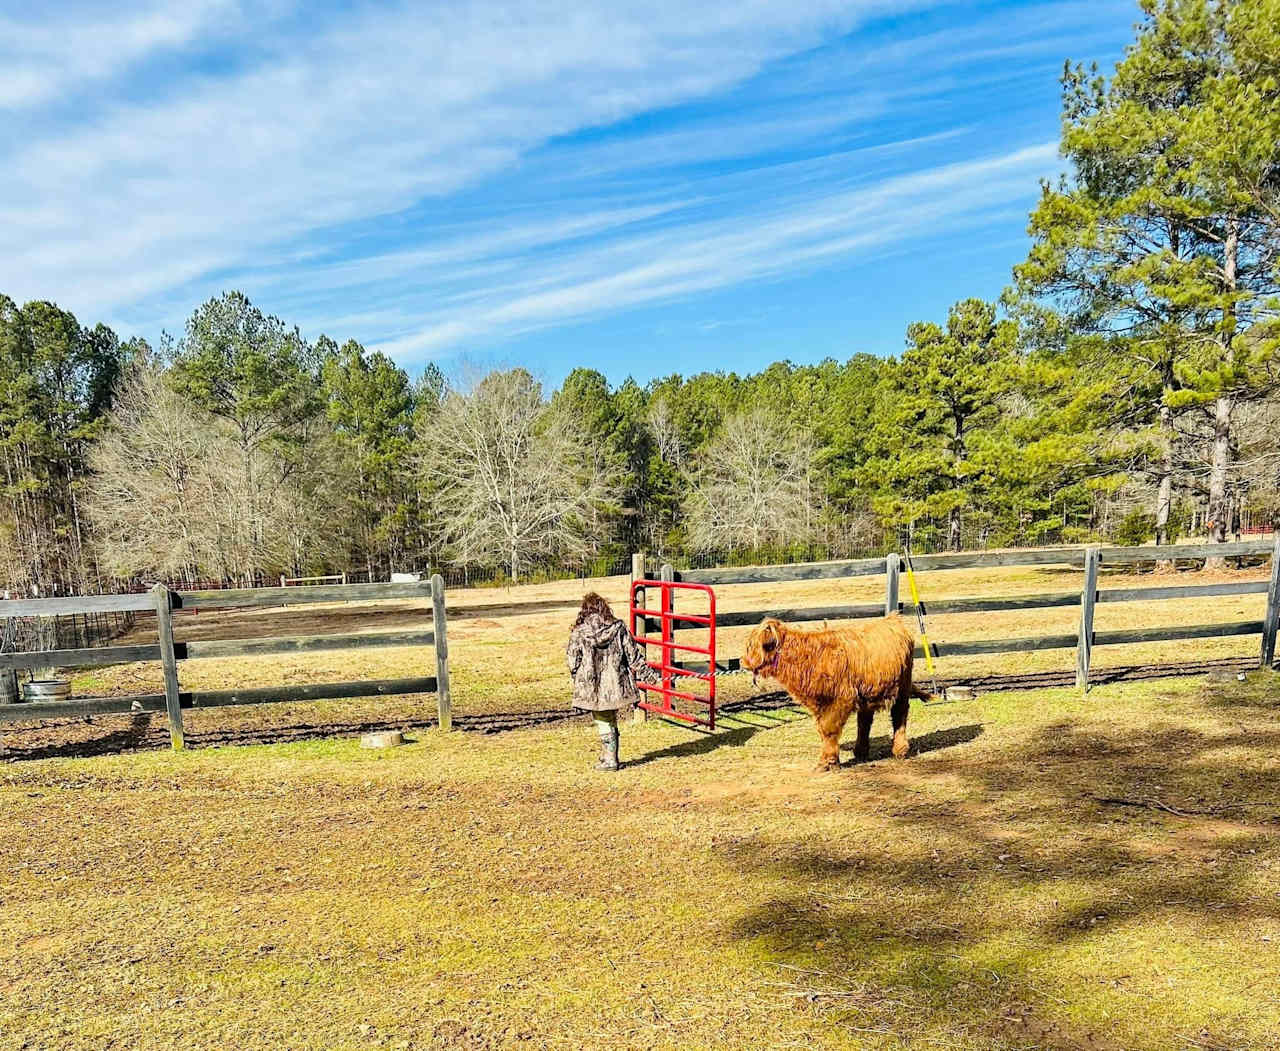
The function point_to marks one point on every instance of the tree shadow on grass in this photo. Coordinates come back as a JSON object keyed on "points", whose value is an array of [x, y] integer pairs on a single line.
{"points": [[1005, 863]]}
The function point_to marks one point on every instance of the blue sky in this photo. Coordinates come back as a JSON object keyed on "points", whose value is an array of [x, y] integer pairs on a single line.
{"points": [[645, 188]]}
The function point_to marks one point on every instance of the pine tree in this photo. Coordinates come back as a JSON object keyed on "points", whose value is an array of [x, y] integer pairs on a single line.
{"points": [[369, 404], [1160, 239], [940, 408]]}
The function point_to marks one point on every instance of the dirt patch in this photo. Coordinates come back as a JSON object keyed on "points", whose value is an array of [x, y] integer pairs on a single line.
{"points": [[1023, 1024], [105, 735]]}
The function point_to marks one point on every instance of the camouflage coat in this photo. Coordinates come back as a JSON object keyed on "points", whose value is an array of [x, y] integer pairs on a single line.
{"points": [[604, 663]]}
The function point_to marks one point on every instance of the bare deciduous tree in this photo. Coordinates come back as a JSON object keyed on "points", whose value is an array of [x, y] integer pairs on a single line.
{"points": [[151, 480], [514, 482], [1257, 465], [753, 485], [666, 435], [169, 495], [13, 564]]}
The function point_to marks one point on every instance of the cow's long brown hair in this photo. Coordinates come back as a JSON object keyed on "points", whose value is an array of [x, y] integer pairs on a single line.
{"points": [[833, 672], [593, 603]]}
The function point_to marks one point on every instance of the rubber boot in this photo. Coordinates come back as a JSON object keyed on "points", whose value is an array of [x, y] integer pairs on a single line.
{"points": [[609, 749]]}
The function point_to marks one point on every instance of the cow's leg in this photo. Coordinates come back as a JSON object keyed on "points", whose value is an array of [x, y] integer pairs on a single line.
{"points": [[901, 707], [862, 747], [898, 713], [829, 757], [831, 720]]}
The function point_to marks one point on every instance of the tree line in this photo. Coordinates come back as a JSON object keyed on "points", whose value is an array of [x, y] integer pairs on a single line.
{"points": [[1125, 387]]}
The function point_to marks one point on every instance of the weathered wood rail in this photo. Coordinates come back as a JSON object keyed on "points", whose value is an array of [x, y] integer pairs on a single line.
{"points": [[169, 652], [1084, 641]]}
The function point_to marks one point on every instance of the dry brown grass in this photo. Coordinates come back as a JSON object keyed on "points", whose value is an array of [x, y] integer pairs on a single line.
{"points": [[485, 892]]}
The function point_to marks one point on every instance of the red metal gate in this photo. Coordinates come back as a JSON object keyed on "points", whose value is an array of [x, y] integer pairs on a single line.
{"points": [[666, 693]]}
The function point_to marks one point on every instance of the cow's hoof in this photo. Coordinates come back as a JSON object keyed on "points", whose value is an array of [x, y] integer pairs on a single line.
{"points": [[901, 746], [826, 768]]}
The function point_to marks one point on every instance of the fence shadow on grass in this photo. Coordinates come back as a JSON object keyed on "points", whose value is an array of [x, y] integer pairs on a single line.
{"points": [[737, 722], [82, 737]]}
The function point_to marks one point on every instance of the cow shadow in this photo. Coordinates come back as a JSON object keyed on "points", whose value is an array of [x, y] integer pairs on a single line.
{"points": [[934, 741], [737, 723]]}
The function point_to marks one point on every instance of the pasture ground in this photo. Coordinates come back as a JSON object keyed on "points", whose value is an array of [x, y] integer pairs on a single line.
{"points": [[1047, 871]]}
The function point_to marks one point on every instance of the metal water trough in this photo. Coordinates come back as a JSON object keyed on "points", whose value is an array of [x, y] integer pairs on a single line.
{"points": [[47, 690]]}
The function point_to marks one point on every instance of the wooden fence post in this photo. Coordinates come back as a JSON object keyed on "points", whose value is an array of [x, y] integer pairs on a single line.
{"points": [[892, 568], [1271, 619], [439, 627], [1088, 598], [164, 629]]}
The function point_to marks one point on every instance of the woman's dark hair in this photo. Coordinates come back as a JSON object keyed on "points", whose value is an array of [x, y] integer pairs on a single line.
{"points": [[593, 603]]}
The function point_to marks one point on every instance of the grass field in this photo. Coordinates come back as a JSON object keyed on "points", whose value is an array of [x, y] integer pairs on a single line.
{"points": [[1046, 871], [507, 648]]}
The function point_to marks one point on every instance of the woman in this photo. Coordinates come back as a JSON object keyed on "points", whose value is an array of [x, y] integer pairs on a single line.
{"points": [[604, 663]]}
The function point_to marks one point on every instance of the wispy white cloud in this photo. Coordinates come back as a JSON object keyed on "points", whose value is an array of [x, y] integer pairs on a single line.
{"points": [[699, 256], [443, 177], [383, 108], [51, 51]]}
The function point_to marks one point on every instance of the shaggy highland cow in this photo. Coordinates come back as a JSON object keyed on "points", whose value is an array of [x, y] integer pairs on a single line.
{"points": [[834, 671]]}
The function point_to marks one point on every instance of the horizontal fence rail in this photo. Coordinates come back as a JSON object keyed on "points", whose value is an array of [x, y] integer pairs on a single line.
{"points": [[1090, 559], [99, 656], [170, 653], [95, 657], [298, 596], [300, 644], [63, 606], [156, 702], [1049, 556]]}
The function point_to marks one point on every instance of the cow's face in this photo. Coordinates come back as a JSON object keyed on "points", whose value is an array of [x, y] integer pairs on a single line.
{"points": [[761, 650]]}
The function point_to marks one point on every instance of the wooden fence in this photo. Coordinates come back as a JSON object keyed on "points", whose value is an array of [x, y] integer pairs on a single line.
{"points": [[163, 602], [170, 653], [1083, 641]]}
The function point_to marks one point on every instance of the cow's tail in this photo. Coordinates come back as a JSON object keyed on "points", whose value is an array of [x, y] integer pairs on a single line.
{"points": [[920, 692]]}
